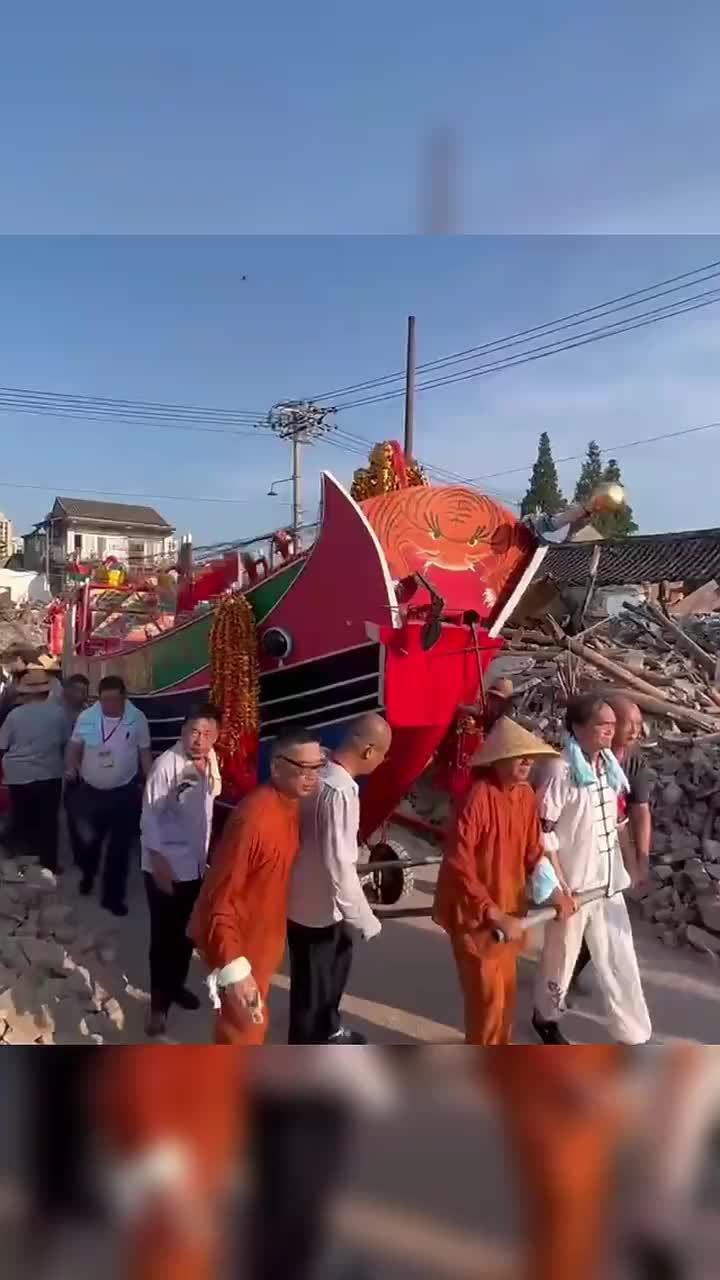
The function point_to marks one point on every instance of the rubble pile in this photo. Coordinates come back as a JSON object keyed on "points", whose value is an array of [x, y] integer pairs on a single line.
{"points": [[56, 980], [672, 671], [683, 897]]}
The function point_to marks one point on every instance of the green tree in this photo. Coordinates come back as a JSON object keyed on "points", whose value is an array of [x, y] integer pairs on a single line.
{"points": [[591, 473], [615, 524], [543, 492]]}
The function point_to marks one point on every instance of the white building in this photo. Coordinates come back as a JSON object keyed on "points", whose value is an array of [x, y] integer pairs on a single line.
{"points": [[87, 531], [6, 538]]}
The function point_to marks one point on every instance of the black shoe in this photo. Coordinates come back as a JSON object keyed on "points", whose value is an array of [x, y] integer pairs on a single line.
{"points": [[156, 1024], [343, 1036], [656, 1260], [86, 886], [187, 1000], [548, 1032], [116, 908]]}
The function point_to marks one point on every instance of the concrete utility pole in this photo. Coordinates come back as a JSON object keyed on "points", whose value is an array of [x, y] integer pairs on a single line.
{"points": [[410, 389], [300, 422]]}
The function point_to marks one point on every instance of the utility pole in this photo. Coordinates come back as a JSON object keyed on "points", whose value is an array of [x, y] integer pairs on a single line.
{"points": [[410, 389], [301, 422], [297, 515]]}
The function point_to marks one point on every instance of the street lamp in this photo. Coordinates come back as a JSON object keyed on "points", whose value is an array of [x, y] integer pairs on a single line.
{"points": [[272, 491]]}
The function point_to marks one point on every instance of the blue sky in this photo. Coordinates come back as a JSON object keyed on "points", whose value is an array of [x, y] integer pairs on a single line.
{"points": [[296, 118], [170, 319], [282, 132]]}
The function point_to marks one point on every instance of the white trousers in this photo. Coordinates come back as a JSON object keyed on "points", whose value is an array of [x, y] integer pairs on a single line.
{"points": [[673, 1151], [606, 927]]}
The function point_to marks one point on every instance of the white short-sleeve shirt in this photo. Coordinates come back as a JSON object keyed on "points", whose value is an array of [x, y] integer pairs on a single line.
{"points": [[111, 746]]}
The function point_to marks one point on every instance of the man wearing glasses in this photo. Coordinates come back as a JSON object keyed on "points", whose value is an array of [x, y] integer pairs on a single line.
{"points": [[239, 920], [327, 902]]}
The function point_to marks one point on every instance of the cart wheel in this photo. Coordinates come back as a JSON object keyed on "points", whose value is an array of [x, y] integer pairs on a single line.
{"points": [[386, 888]]}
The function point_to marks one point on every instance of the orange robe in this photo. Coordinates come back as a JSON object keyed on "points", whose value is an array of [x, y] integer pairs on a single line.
{"points": [[193, 1095], [242, 906], [564, 1152], [493, 848]]}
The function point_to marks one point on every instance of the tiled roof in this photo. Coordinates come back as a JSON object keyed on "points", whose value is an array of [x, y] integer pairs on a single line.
{"points": [[116, 512], [654, 557]]}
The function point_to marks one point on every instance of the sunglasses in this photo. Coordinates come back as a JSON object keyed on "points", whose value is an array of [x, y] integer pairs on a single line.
{"points": [[303, 768]]}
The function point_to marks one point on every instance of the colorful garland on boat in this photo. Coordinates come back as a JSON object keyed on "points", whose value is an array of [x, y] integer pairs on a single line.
{"points": [[235, 689], [388, 469]]}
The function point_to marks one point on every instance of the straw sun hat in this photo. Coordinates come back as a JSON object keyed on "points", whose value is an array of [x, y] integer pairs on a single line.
{"points": [[34, 680], [509, 741]]}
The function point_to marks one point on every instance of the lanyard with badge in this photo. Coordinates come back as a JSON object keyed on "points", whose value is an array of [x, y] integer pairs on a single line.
{"points": [[105, 756]]}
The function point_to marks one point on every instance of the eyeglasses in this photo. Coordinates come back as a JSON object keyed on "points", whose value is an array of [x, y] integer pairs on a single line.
{"points": [[310, 769]]}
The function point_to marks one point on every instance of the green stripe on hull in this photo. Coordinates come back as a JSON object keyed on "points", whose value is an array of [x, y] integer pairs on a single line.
{"points": [[177, 654]]}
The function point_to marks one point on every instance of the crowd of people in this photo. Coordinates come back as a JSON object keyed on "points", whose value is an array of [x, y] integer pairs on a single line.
{"points": [[569, 830]]}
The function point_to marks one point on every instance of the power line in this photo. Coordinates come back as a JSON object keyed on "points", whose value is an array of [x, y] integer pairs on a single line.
{"points": [[550, 325], [127, 493], [695, 303], [612, 449], [143, 407]]}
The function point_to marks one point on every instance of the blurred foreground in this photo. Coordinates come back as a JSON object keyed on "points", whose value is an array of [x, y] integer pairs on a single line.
{"points": [[341, 1163]]}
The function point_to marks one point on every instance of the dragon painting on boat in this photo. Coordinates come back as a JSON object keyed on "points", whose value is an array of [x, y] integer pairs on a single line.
{"points": [[396, 607]]}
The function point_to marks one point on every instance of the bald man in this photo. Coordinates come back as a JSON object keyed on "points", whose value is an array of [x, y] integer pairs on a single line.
{"points": [[634, 818], [327, 902]]}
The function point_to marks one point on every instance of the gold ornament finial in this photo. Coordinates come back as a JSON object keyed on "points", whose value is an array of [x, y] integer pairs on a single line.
{"points": [[387, 471], [607, 497]]}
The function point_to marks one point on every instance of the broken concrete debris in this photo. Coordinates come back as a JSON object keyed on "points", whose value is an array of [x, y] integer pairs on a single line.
{"points": [[53, 986], [671, 668]]}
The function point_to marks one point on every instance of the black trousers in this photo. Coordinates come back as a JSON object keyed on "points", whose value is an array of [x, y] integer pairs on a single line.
{"points": [[298, 1153], [112, 817], [170, 948], [320, 961], [72, 825], [35, 814]]}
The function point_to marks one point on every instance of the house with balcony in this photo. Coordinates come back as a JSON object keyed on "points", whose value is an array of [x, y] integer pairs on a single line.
{"points": [[80, 530]]}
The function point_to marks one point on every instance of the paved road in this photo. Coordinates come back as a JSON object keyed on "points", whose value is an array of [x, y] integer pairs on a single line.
{"points": [[404, 989], [429, 1194]]}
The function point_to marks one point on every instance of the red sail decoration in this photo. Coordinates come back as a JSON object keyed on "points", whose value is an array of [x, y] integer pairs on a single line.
{"points": [[235, 689]]}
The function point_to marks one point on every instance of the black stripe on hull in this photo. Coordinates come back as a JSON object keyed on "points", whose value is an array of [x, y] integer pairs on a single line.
{"points": [[311, 694]]}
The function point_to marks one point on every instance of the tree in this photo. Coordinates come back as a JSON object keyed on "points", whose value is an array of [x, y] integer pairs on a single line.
{"points": [[591, 473], [543, 492], [615, 524]]}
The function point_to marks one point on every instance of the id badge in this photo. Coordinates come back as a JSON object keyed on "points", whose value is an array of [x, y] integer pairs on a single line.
{"points": [[105, 759]]}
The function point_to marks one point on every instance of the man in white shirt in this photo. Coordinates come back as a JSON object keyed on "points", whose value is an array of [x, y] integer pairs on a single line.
{"points": [[326, 898], [176, 824], [109, 752]]}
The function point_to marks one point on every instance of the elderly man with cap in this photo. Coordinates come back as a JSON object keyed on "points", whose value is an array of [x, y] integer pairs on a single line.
{"points": [[493, 863], [32, 741]]}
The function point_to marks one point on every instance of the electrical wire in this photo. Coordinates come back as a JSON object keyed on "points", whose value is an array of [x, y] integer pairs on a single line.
{"points": [[697, 302], [621, 302], [610, 449], [127, 493]]}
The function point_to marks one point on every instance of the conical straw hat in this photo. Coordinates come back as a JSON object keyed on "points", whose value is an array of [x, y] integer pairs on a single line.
{"points": [[508, 741]]}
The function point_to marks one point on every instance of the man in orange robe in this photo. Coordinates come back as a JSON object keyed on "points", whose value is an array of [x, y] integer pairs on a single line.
{"points": [[560, 1114], [492, 853], [239, 920], [170, 1121], [567, 1112]]}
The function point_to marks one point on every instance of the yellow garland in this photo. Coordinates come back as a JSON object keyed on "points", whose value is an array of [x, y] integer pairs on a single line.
{"points": [[380, 475], [235, 681]]}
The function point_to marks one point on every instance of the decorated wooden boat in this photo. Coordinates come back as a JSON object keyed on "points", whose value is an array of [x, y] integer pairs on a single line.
{"points": [[396, 607]]}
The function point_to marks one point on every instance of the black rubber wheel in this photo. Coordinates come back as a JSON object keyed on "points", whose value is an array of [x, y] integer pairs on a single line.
{"points": [[386, 888]]}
